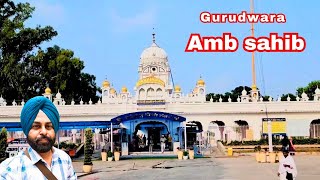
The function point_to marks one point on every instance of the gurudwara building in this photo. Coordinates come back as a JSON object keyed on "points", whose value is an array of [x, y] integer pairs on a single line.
{"points": [[157, 107]]}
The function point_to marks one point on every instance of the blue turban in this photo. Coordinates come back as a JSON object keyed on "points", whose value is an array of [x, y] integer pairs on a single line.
{"points": [[31, 110]]}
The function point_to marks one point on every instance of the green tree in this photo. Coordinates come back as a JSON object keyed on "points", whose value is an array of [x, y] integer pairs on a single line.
{"points": [[285, 96], [61, 71], [3, 143], [234, 94], [309, 89], [265, 98], [237, 92], [16, 43], [214, 96], [26, 70]]}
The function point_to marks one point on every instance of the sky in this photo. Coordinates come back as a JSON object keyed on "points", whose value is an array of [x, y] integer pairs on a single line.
{"points": [[109, 36]]}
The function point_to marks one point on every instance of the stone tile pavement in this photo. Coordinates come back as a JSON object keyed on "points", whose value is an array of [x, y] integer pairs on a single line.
{"points": [[234, 168]]}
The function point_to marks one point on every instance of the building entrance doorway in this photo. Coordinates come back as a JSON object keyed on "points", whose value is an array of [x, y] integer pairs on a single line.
{"points": [[147, 133], [154, 136]]}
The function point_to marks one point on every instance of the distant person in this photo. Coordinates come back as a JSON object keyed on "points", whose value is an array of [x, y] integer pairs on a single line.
{"points": [[292, 149], [150, 143], [40, 123], [163, 143], [287, 168], [285, 143], [169, 142], [144, 140]]}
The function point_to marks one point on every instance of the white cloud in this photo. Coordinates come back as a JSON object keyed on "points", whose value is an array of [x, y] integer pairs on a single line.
{"points": [[143, 19]]}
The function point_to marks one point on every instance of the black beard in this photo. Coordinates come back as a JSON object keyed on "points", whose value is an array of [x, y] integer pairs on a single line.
{"points": [[41, 147]]}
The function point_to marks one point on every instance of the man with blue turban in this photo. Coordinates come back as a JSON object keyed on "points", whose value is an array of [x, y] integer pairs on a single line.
{"points": [[40, 123]]}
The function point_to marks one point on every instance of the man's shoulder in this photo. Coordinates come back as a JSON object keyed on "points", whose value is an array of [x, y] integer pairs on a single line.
{"points": [[11, 159], [11, 162], [62, 154]]}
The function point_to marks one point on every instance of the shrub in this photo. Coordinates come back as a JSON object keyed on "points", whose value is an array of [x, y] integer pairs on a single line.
{"points": [[3, 143], [257, 148], [110, 154], [88, 148], [274, 142], [185, 153]]}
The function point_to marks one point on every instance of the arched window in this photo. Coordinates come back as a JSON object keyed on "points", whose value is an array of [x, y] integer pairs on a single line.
{"points": [[142, 93]]}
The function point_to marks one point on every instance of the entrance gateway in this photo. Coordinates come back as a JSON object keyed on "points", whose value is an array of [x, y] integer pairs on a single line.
{"points": [[129, 131], [138, 130]]}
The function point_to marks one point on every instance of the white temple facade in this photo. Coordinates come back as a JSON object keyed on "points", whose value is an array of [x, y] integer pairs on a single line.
{"points": [[154, 83], [154, 91]]}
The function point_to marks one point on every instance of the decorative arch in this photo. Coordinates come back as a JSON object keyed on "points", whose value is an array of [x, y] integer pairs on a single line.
{"points": [[315, 128], [105, 93], [201, 91], [217, 128], [147, 115], [241, 129], [142, 93], [150, 92], [159, 92]]}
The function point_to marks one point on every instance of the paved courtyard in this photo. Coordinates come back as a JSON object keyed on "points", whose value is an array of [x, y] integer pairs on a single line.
{"points": [[235, 168]]}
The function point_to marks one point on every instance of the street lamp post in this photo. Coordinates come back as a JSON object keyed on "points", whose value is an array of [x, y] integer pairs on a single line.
{"points": [[270, 135]]}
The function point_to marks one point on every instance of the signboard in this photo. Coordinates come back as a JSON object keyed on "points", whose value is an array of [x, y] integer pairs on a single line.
{"points": [[151, 102], [249, 135], [147, 115], [278, 125]]}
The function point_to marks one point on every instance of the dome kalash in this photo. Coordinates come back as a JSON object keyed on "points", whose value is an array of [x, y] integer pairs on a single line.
{"points": [[201, 82], [177, 88], [124, 89], [113, 91], [47, 90], [106, 84]]}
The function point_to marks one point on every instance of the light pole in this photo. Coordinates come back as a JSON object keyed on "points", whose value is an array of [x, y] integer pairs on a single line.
{"points": [[270, 135]]}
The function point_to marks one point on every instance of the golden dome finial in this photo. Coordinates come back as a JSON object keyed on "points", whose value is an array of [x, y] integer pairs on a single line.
{"points": [[113, 91], [47, 90], [254, 87], [124, 89], [200, 82], [177, 88], [106, 84]]}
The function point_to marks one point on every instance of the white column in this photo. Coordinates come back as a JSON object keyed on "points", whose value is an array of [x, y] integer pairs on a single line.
{"points": [[111, 130], [314, 130], [74, 139], [185, 136], [96, 138], [270, 135]]}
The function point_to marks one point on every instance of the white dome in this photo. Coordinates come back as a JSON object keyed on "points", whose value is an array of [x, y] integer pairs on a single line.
{"points": [[244, 92], [153, 54], [58, 95], [304, 95]]}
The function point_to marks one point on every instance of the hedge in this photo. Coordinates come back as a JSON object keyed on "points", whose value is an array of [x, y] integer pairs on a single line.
{"points": [[274, 142]]}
